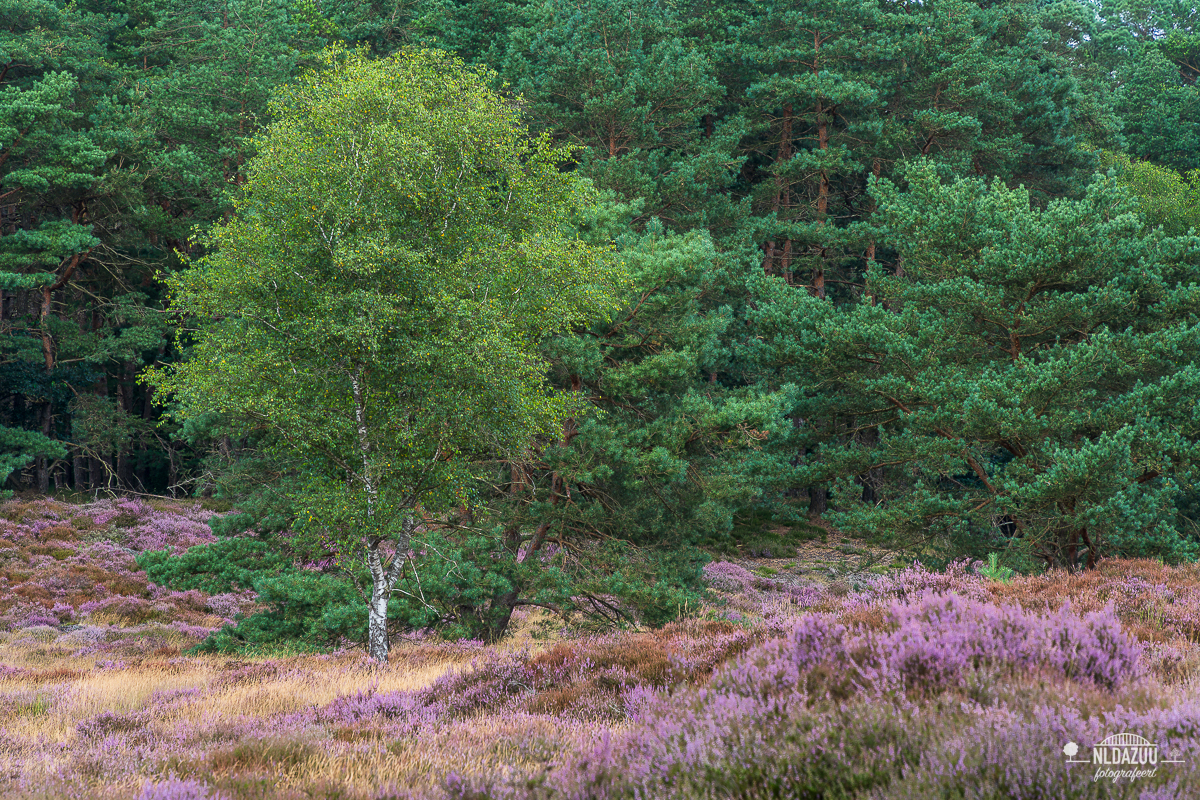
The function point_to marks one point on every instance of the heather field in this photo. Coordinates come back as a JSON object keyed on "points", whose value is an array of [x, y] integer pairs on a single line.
{"points": [[912, 684]]}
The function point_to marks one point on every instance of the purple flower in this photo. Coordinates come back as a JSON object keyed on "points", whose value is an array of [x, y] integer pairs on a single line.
{"points": [[176, 789]]}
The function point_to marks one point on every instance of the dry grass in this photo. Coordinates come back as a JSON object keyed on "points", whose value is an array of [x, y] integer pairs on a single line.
{"points": [[54, 702], [304, 682], [236, 717]]}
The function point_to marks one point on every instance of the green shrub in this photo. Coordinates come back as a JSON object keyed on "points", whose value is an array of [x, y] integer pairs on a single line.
{"points": [[223, 566], [993, 570], [310, 607]]}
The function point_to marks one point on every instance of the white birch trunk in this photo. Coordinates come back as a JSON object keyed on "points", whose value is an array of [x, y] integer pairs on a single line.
{"points": [[383, 581], [378, 643]]}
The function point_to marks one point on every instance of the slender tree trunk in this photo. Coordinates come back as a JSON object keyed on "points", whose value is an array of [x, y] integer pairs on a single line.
{"points": [[499, 615], [126, 392], [97, 476], [377, 632], [872, 479], [781, 200], [822, 120], [172, 470], [99, 467], [148, 414], [876, 168], [121, 456], [48, 356], [818, 284], [384, 576], [48, 296], [818, 500], [80, 468], [43, 464], [768, 263], [784, 189]]}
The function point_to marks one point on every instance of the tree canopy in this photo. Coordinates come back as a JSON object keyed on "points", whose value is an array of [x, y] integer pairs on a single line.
{"points": [[373, 309], [774, 176]]}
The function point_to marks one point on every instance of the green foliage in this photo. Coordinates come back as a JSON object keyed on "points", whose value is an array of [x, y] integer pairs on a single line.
{"points": [[226, 565], [765, 532], [390, 225], [120, 130], [20, 447], [654, 461], [417, 280], [1029, 374], [464, 586], [993, 571], [1153, 49], [673, 591], [1165, 198], [306, 607], [621, 80], [393, 341]]}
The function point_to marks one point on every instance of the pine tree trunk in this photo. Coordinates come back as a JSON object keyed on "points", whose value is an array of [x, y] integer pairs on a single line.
{"points": [[818, 500], [782, 197], [172, 471], [43, 464], [97, 475], [876, 168], [499, 615], [872, 479], [123, 470], [818, 284], [100, 476], [80, 465], [559, 490]]}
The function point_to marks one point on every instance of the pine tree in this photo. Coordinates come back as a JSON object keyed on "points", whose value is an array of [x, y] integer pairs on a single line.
{"points": [[1028, 378]]}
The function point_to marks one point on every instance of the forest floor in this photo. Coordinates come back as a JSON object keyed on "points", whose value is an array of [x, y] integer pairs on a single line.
{"points": [[811, 552], [806, 676]]}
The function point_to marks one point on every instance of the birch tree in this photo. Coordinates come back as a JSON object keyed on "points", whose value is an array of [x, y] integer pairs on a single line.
{"points": [[399, 249]]}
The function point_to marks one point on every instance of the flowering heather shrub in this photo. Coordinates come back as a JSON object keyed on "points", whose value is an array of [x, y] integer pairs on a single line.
{"points": [[728, 577], [930, 644], [130, 610], [59, 563], [1153, 601], [780, 604], [35, 618], [1157, 602], [231, 605], [33, 701], [830, 711], [590, 679], [1001, 754], [958, 578], [178, 790]]}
